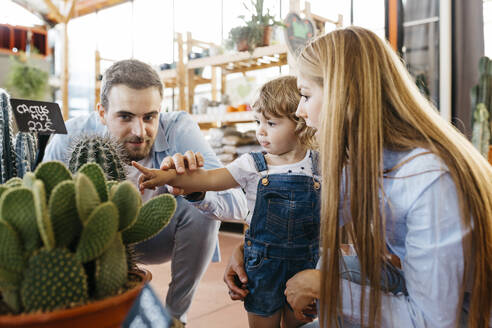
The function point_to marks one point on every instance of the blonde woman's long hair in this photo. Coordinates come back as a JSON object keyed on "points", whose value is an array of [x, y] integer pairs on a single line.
{"points": [[370, 102]]}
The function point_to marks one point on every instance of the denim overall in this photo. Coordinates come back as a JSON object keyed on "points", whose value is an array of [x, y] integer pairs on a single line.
{"points": [[283, 237]]}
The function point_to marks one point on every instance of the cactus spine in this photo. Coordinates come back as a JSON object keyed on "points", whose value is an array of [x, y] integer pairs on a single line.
{"points": [[103, 150], [8, 156], [17, 154], [57, 235]]}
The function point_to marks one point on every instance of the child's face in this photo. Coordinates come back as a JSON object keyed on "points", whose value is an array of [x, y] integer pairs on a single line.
{"points": [[311, 101], [276, 134]]}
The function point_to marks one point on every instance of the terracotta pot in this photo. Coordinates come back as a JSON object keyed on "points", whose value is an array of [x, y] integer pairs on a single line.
{"points": [[110, 312], [267, 35], [490, 154], [242, 45]]}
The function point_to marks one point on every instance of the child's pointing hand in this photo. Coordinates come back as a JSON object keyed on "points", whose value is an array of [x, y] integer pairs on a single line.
{"points": [[148, 179]]}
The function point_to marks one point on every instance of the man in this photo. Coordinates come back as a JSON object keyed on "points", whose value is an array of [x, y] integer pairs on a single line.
{"points": [[131, 97]]}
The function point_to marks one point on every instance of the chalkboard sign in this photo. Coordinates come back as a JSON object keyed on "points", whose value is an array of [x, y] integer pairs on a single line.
{"points": [[297, 32], [147, 312], [38, 116]]}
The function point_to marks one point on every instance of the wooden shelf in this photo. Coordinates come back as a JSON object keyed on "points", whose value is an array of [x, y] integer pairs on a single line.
{"points": [[263, 57], [183, 77], [168, 78], [168, 74], [234, 117], [273, 55]]}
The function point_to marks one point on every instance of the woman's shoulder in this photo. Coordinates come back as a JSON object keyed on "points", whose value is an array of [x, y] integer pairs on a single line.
{"points": [[416, 174], [417, 161]]}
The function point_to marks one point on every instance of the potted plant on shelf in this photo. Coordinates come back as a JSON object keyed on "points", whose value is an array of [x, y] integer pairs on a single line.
{"points": [[481, 97], [65, 246], [256, 32], [26, 80]]}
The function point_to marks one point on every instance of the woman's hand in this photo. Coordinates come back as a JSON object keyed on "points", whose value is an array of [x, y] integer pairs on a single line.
{"points": [[302, 291], [180, 163], [235, 276]]}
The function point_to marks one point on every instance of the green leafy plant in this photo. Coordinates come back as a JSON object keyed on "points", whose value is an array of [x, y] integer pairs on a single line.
{"points": [[245, 37], [25, 80], [65, 240], [251, 35], [258, 16]]}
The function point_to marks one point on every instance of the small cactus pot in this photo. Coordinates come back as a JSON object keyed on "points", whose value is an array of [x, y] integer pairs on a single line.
{"points": [[109, 312]]}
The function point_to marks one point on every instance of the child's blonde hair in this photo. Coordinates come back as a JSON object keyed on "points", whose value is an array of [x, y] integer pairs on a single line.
{"points": [[280, 98]]}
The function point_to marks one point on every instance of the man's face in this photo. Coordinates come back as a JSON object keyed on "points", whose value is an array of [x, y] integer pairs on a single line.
{"points": [[132, 117]]}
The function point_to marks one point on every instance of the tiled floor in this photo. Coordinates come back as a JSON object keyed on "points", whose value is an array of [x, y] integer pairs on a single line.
{"points": [[212, 307]]}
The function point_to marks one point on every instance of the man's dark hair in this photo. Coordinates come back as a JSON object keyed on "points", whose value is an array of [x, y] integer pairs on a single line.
{"points": [[132, 73]]}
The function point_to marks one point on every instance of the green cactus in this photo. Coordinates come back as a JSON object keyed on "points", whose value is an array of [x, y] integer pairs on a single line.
{"points": [[481, 130], [98, 232], [63, 212], [3, 189], [50, 249], [25, 150], [14, 182], [86, 197], [11, 297], [128, 201], [481, 101], [52, 280], [11, 257], [42, 217], [103, 150], [94, 172], [7, 153], [111, 269], [109, 185], [17, 154], [52, 173], [17, 209], [28, 179], [153, 216]]}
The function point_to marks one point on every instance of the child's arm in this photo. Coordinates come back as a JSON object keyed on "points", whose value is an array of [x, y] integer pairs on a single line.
{"points": [[191, 181]]}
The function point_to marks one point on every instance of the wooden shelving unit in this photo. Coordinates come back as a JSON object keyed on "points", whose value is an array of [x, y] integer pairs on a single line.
{"points": [[262, 57], [206, 121], [183, 77]]}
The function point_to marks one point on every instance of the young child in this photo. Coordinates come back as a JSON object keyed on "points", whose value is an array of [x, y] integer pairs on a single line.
{"points": [[283, 192]]}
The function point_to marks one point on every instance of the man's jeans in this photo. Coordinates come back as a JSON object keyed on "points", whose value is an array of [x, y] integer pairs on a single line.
{"points": [[189, 243]]}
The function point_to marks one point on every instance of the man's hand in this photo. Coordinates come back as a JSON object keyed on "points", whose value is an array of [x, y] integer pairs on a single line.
{"points": [[235, 276], [301, 291], [180, 162]]}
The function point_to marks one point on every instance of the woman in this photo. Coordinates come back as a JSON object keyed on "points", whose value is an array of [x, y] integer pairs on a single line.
{"points": [[400, 181]]}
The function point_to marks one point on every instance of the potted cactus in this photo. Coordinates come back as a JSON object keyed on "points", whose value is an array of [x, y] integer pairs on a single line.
{"points": [[65, 246], [103, 150], [17, 153], [481, 97]]}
